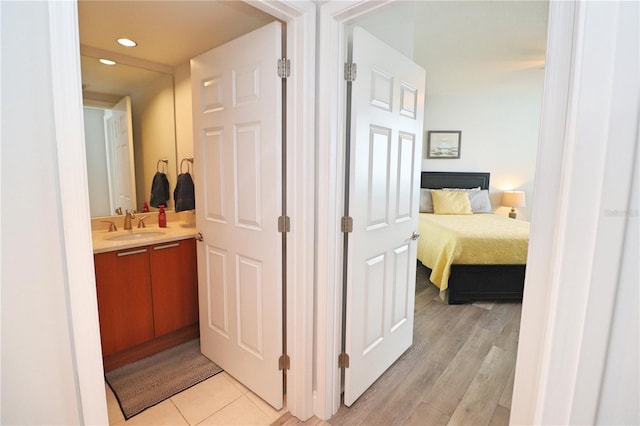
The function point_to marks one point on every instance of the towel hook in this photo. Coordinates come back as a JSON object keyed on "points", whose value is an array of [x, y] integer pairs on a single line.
{"points": [[163, 160], [188, 160]]}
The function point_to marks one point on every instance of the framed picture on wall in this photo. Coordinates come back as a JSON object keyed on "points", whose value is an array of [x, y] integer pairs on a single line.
{"points": [[443, 143]]}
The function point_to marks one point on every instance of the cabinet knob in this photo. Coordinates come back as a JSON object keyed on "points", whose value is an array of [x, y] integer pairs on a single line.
{"points": [[199, 236]]}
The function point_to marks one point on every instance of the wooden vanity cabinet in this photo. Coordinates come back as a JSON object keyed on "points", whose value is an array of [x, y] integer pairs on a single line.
{"points": [[147, 300], [123, 284], [175, 285]]}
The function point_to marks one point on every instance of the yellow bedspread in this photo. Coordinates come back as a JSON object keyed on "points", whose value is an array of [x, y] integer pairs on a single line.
{"points": [[479, 239]]}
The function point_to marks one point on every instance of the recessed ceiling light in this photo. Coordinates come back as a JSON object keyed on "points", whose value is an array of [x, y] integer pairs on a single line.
{"points": [[127, 42], [107, 61]]}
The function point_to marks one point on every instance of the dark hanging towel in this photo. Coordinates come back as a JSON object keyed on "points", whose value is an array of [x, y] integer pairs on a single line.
{"points": [[184, 194], [159, 190]]}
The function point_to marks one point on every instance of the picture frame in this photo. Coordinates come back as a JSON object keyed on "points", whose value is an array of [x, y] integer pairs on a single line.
{"points": [[443, 144]]}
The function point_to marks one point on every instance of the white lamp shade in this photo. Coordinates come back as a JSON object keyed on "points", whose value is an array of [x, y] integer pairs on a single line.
{"points": [[513, 199]]}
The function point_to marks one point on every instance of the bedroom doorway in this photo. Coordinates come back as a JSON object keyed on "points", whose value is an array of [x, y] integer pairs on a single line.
{"points": [[386, 22]]}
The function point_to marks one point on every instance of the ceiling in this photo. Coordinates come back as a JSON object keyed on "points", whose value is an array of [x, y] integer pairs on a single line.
{"points": [[480, 31], [446, 35], [168, 33], [468, 46]]}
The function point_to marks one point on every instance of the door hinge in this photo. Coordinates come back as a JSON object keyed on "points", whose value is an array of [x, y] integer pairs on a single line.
{"points": [[343, 360], [284, 224], [350, 71], [346, 224], [284, 68], [284, 362]]}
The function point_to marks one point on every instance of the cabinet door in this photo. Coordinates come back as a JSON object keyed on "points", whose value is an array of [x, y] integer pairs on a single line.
{"points": [[175, 285], [124, 299]]}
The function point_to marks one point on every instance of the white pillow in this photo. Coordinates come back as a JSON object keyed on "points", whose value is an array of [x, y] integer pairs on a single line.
{"points": [[426, 202], [480, 202], [462, 189]]}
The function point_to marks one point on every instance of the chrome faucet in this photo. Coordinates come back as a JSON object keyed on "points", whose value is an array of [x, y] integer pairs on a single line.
{"points": [[127, 219]]}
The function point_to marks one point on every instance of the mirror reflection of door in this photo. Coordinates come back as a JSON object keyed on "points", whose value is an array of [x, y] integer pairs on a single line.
{"points": [[118, 123], [152, 121], [110, 166]]}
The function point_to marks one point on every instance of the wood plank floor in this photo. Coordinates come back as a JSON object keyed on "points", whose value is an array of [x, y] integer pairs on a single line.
{"points": [[459, 370]]}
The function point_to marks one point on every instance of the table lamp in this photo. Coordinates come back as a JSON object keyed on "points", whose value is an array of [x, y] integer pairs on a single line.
{"points": [[513, 199]]}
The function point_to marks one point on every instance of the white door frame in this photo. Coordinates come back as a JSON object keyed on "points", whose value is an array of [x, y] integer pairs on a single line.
{"points": [[65, 63], [300, 17], [334, 16], [583, 187]]}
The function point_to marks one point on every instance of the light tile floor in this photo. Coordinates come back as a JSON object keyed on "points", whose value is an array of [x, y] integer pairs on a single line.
{"points": [[220, 400]]}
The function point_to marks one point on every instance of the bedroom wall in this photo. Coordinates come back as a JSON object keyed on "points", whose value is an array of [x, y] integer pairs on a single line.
{"points": [[383, 24], [485, 78], [495, 101], [499, 117]]}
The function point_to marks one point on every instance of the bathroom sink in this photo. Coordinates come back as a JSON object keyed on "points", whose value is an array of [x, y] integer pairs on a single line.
{"points": [[135, 235]]}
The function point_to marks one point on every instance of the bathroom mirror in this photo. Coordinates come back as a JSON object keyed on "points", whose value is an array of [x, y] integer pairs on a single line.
{"points": [[153, 142]]}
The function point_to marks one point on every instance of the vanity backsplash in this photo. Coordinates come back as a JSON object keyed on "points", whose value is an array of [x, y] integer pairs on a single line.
{"points": [[186, 218]]}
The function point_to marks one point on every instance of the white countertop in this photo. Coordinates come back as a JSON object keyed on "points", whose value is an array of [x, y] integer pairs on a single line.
{"points": [[173, 232]]}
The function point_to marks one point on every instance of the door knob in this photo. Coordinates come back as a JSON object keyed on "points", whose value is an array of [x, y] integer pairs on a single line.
{"points": [[199, 236], [415, 236]]}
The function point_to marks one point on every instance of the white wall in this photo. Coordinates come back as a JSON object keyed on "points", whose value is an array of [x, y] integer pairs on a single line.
{"points": [[499, 118], [621, 381], [495, 101], [96, 161], [38, 377], [383, 24]]}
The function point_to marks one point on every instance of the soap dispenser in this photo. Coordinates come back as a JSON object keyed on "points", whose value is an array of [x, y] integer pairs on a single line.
{"points": [[162, 217]]}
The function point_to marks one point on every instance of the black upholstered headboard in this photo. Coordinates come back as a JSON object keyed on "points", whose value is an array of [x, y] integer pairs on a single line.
{"points": [[437, 180]]}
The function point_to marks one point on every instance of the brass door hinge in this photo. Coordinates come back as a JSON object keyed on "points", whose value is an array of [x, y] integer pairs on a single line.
{"points": [[284, 224], [346, 225], [343, 360], [284, 362]]}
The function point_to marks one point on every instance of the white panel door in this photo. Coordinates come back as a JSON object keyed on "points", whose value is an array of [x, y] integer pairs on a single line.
{"points": [[387, 108], [121, 170], [237, 109]]}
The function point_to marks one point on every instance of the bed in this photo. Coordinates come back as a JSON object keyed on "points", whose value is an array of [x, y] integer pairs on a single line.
{"points": [[457, 262]]}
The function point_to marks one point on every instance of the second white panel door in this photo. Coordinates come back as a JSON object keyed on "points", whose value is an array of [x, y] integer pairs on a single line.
{"points": [[387, 109]]}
